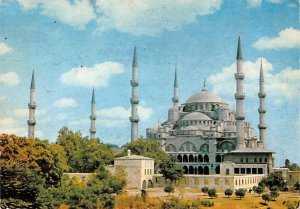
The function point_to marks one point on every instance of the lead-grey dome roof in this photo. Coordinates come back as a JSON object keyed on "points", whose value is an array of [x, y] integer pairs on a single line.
{"points": [[203, 97], [196, 116]]}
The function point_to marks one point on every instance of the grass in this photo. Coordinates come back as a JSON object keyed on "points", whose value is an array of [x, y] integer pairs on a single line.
{"points": [[250, 201]]}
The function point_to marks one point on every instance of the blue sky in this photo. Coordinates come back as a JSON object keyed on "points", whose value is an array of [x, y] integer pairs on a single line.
{"points": [[75, 45]]}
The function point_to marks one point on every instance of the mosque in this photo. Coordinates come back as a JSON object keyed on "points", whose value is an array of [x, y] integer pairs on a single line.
{"points": [[213, 143]]}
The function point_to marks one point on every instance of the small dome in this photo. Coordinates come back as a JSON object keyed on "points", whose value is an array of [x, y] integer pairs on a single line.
{"points": [[196, 116], [203, 97]]}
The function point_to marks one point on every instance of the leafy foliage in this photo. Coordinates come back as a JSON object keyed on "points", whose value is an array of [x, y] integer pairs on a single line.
{"points": [[171, 171], [169, 189], [297, 186], [228, 192], [291, 166], [259, 190], [266, 197], [83, 154], [204, 189], [274, 179], [27, 167], [207, 203], [274, 192], [212, 193], [240, 193]]}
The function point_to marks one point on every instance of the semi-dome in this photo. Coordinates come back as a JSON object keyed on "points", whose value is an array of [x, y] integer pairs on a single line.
{"points": [[204, 97], [196, 116]]}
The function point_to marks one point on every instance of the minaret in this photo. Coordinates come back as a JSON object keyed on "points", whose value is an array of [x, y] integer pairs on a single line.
{"points": [[31, 106], [204, 86], [262, 109], [175, 97], [93, 117], [239, 97], [134, 119]]}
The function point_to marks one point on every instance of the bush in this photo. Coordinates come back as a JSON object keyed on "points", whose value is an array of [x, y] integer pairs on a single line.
{"points": [[228, 192], [266, 197], [204, 189], [207, 203], [240, 193], [169, 189], [212, 193], [259, 190], [297, 186]]}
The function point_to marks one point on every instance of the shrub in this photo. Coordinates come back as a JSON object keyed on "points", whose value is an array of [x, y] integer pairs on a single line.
{"points": [[259, 190], [212, 193], [204, 189], [228, 192], [266, 197], [240, 193], [297, 186], [169, 189], [207, 203]]}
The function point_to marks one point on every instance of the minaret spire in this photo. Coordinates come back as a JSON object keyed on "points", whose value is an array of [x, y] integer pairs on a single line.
{"points": [[239, 97], [134, 119], [175, 97], [204, 86], [262, 108], [31, 106], [93, 116]]}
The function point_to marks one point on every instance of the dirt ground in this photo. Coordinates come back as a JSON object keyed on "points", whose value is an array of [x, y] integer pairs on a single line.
{"points": [[250, 201]]}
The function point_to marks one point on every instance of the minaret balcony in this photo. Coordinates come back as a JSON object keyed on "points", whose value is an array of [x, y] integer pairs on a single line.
{"points": [[262, 126], [239, 96], [134, 82], [240, 117], [262, 95], [134, 100], [175, 99], [93, 117], [134, 119], [31, 122], [239, 76], [92, 131], [32, 105], [261, 110]]}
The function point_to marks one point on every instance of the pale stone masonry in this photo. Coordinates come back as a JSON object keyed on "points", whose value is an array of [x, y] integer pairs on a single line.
{"points": [[31, 106], [93, 116]]}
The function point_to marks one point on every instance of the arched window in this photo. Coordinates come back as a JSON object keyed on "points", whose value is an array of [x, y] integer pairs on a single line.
{"points": [[200, 170], [179, 158], [171, 148], [185, 170], [218, 159], [191, 170], [188, 146], [191, 158], [206, 158], [217, 169], [206, 170], [204, 148], [200, 158], [185, 158], [229, 146]]}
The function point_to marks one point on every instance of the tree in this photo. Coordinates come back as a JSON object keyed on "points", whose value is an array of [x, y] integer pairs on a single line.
{"points": [[266, 197], [169, 189], [228, 192], [171, 171], [147, 148], [287, 163], [291, 166], [204, 189], [297, 186], [27, 167], [212, 193], [274, 179], [259, 190], [274, 192], [240, 193]]}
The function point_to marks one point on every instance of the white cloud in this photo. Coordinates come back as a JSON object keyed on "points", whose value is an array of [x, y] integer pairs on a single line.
{"points": [[282, 86], [143, 17], [75, 13], [65, 102], [98, 75], [6, 121], [287, 38], [2, 98], [4, 49], [254, 3], [119, 116], [9, 79]]}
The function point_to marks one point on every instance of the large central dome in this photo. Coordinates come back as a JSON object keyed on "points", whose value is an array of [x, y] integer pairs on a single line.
{"points": [[204, 97]]}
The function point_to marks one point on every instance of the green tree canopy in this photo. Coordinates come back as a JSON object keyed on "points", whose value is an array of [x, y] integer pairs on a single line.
{"points": [[147, 148], [274, 179], [228, 192], [240, 193], [170, 170]]}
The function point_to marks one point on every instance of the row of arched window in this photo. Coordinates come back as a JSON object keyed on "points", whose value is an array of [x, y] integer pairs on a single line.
{"points": [[199, 158], [199, 170]]}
